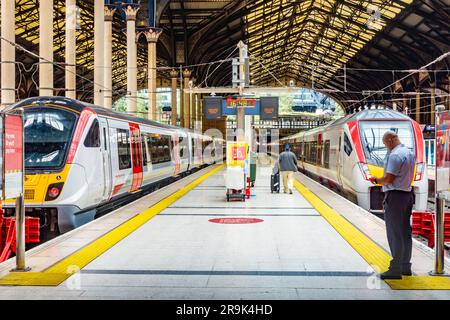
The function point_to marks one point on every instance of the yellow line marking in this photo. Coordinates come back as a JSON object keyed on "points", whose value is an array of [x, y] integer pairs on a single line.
{"points": [[61, 271], [421, 283], [374, 255], [369, 250]]}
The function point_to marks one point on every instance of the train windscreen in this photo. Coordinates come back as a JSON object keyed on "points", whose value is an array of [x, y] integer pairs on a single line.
{"points": [[372, 138], [48, 132]]}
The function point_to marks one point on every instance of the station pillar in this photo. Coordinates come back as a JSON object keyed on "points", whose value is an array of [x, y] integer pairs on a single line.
{"points": [[197, 112], [131, 12], [8, 53], [174, 78], [200, 113], [152, 35], [186, 104], [46, 48], [193, 109], [432, 102], [71, 25], [110, 9], [418, 105], [448, 90], [99, 49]]}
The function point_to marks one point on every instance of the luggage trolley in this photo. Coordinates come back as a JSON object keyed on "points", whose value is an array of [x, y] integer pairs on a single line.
{"points": [[237, 170], [235, 183]]}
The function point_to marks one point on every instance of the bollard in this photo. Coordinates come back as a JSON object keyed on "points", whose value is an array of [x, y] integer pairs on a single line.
{"points": [[439, 236], [20, 234]]}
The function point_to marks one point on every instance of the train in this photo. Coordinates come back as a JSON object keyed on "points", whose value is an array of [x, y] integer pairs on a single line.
{"points": [[346, 152], [80, 158]]}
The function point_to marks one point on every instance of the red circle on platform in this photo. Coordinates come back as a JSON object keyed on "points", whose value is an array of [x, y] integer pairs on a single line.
{"points": [[235, 220]]}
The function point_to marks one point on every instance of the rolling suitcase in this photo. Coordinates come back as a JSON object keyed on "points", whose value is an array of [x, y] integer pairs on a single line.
{"points": [[275, 183]]}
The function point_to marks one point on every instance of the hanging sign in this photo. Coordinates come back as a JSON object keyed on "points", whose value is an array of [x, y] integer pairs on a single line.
{"points": [[12, 156], [231, 104], [236, 153]]}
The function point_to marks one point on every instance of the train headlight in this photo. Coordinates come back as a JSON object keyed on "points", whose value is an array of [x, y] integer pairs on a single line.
{"points": [[53, 191], [419, 171], [365, 170]]}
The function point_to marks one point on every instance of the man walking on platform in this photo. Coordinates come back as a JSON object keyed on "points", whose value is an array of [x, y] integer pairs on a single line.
{"points": [[398, 202], [288, 165]]}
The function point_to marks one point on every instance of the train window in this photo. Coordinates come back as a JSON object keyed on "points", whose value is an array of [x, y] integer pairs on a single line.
{"points": [[92, 139], [313, 152], [104, 139], [160, 148], [372, 132], [326, 154], [123, 148], [182, 145], [347, 145], [47, 133], [145, 154], [136, 152]]}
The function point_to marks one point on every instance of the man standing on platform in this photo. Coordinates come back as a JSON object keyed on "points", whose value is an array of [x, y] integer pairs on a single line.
{"points": [[398, 202], [287, 165]]}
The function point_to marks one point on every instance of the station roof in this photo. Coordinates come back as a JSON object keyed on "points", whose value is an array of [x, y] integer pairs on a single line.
{"points": [[306, 41]]}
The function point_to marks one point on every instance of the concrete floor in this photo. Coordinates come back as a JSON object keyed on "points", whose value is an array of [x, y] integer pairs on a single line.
{"points": [[179, 254]]}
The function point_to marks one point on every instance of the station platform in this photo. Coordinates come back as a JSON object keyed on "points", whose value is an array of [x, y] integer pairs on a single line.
{"points": [[185, 241]]}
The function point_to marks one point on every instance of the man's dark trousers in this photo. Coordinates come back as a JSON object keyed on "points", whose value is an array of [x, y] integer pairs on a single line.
{"points": [[397, 214]]}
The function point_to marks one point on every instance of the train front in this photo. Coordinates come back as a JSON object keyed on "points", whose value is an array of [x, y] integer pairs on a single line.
{"points": [[371, 137], [48, 135]]}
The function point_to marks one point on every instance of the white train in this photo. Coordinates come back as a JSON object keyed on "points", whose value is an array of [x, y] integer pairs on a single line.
{"points": [[80, 158], [346, 152]]}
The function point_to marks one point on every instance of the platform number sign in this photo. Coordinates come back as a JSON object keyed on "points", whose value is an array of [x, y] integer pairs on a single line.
{"points": [[269, 108], [212, 107], [238, 153], [12, 156]]}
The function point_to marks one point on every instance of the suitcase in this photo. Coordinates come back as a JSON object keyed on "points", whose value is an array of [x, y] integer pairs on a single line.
{"points": [[275, 183]]}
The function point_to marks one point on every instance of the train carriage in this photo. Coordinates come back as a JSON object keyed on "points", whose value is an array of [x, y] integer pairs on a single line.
{"points": [[80, 157], [345, 153]]}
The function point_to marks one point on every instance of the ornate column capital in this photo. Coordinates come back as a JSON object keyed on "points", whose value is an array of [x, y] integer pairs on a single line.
{"points": [[187, 73], [152, 34], [130, 10], [173, 73], [109, 11]]}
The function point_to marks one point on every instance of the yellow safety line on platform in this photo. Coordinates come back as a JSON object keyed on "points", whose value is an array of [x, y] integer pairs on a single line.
{"points": [[374, 255], [371, 252], [62, 270]]}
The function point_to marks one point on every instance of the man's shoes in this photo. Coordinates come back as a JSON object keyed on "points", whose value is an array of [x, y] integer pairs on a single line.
{"points": [[290, 191], [391, 274], [406, 269], [407, 272]]}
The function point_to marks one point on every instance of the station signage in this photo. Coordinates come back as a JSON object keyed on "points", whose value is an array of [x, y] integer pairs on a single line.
{"points": [[232, 103], [216, 107], [237, 153], [269, 108], [212, 107], [12, 156]]}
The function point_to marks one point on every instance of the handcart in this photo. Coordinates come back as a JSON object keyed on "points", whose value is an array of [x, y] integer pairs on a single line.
{"points": [[235, 183]]}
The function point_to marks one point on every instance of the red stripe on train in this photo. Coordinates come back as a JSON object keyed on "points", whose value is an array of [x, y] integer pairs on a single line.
{"points": [[81, 126], [418, 137], [136, 156], [353, 127]]}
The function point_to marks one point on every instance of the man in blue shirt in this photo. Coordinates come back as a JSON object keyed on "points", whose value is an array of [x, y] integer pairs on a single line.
{"points": [[398, 202], [287, 165]]}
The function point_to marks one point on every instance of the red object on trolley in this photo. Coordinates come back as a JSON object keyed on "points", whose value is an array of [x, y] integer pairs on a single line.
{"points": [[8, 234], [247, 190], [10, 239]]}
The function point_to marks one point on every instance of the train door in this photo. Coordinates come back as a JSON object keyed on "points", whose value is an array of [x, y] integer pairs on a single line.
{"points": [[106, 158], [136, 157], [176, 154], [340, 158]]}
